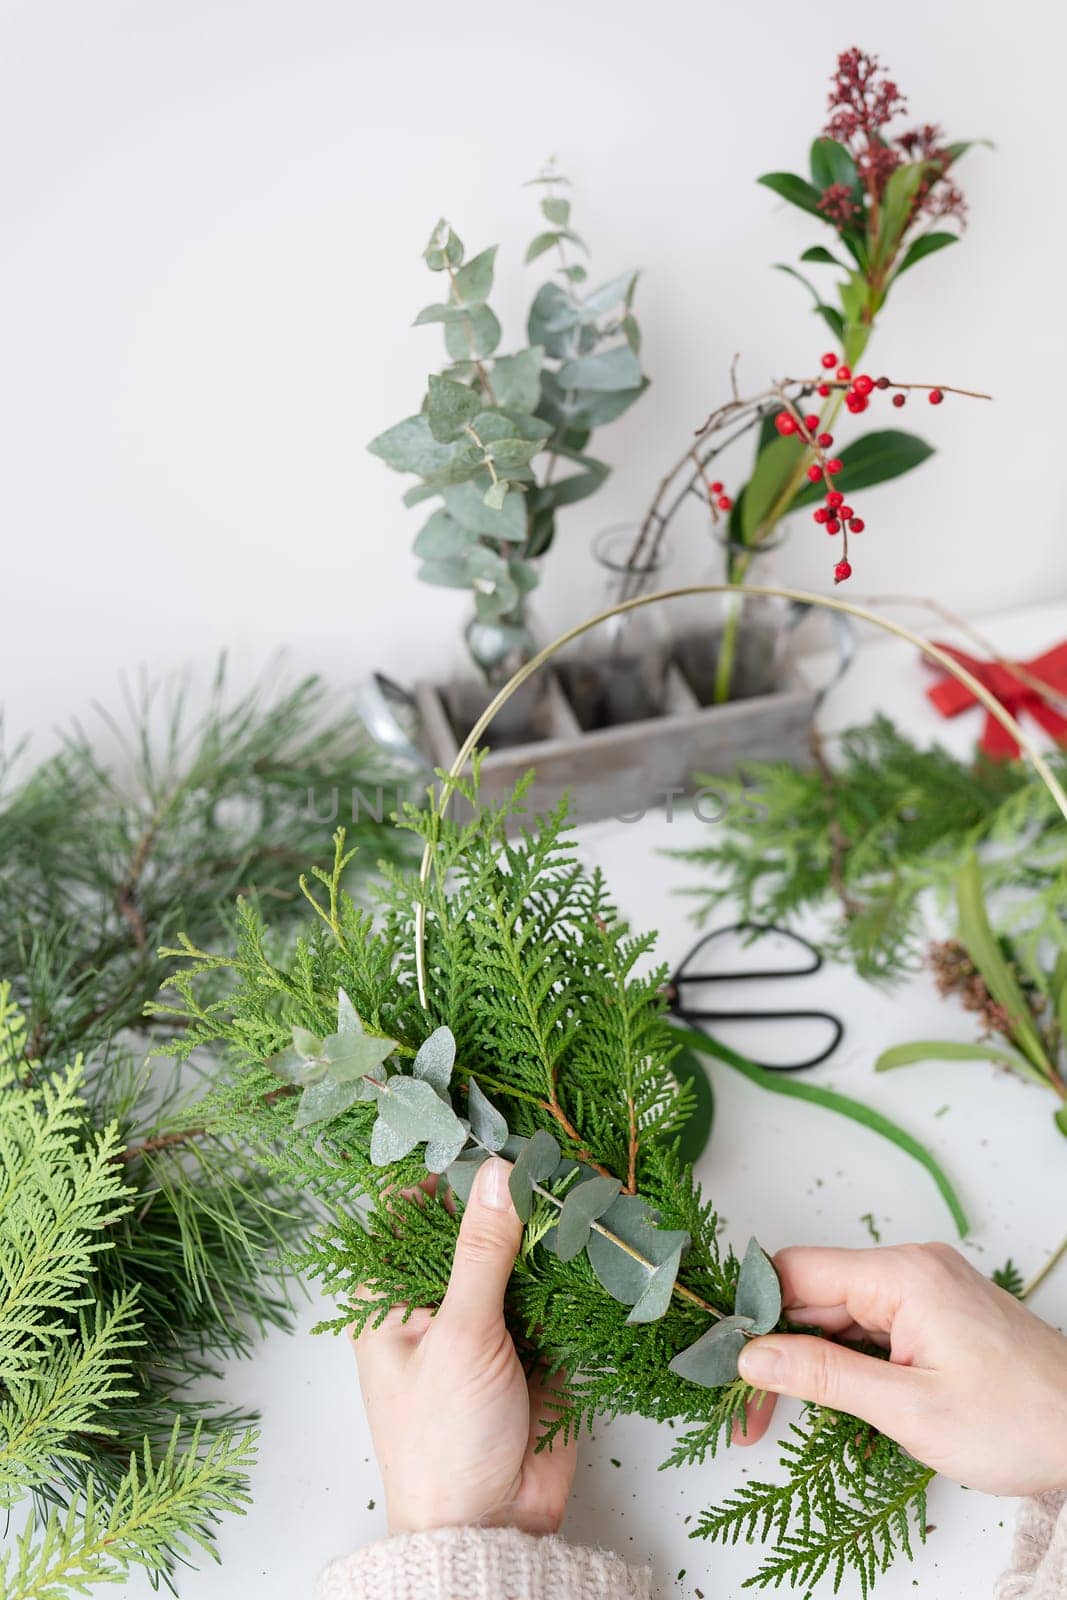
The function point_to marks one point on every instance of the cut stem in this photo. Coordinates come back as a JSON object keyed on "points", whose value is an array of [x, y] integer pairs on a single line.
{"points": [[1039, 1277]]}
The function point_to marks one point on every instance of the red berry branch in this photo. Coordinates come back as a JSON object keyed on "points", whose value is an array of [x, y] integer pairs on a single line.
{"points": [[691, 474]]}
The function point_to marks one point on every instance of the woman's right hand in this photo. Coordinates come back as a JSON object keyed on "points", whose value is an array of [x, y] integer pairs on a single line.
{"points": [[975, 1385]]}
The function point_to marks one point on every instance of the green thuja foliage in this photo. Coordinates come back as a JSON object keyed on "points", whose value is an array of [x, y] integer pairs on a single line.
{"points": [[72, 1337], [102, 857], [887, 823], [542, 1034]]}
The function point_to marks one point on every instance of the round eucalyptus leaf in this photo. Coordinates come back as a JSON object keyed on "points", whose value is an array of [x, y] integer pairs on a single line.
{"points": [[435, 1058], [631, 1220], [658, 1290], [348, 1018], [712, 1360], [306, 1043], [582, 1205], [414, 1108], [321, 1101], [389, 1144], [535, 1163], [759, 1294], [352, 1055], [462, 1172], [291, 1067], [487, 1122], [441, 1153]]}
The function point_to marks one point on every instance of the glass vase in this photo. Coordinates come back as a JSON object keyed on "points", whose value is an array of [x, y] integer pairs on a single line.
{"points": [[617, 673], [741, 651], [498, 646]]}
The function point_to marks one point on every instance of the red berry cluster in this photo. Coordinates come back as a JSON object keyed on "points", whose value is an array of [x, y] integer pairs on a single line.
{"points": [[834, 515]]}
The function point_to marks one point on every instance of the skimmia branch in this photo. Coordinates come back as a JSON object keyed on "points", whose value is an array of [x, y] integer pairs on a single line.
{"points": [[544, 1037]]}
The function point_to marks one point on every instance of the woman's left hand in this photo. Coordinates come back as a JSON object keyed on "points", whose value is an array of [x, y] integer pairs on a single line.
{"points": [[453, 1417]]}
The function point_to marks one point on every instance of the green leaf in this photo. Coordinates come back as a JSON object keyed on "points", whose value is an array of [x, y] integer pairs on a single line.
{"points": [[418, 493], [832, 163], [759, 1294], [348, 1018], [435, 1059], [712, 1361], [413, 1108], [442, 539], [830, 1100], [389, 1144], [466, 505], [657, 1292], [508, 454], [473, 283], [581, 1207], [441, 1153], [307, 1044], [517, 379], [876, 458], [796, 190], [474, 337], [445, 574], [536, 1162], [829, 315], [575, 486], [439, 313], [1060, 1119], [409, 446], [292, 1067], [465, 462], [774, 467], [449, 407], [487, 1123], [961, 146], [538, 246], [631, 1220], [575, 273], [352, 1055], [907, 1055], [925, 245], [689, 1071], [557, 210], [551, 323], [611, 296], [898, 199], [462, 1172], [617, 368], [321, 1101], [495, 495], [523, 575], [981, 944], [445, 249], [819, 252]]}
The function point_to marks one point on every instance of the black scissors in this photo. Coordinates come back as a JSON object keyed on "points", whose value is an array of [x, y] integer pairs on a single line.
{"points": [[689, 975]]}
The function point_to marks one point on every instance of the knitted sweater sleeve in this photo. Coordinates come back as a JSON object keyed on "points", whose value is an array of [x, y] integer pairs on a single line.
{"points": [[503, 1564], [481, 1564], [1039, 1555]]}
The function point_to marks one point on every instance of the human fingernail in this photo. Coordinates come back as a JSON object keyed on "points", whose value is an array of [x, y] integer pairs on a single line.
{"points": [[760, 1363], [493, 1184]]}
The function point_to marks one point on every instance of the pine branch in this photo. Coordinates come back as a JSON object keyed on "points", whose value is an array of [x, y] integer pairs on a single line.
{"points": [[880, 828]]}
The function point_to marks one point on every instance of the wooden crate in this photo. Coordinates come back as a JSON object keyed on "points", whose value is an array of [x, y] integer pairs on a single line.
{"points": [[617, 772]]}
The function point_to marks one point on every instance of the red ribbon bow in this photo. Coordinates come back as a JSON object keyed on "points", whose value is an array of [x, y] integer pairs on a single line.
{"points": [[951, 697]]}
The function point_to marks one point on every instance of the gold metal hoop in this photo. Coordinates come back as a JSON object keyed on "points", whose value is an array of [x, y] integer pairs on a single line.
{"points": [[826, 602]]}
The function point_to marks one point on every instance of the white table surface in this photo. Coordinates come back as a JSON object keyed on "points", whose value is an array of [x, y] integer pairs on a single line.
{"points": [[788, 1172]]}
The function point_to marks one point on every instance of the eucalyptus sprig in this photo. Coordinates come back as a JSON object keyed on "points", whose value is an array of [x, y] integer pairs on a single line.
{"points": [[496, 434], [635, 1260]]}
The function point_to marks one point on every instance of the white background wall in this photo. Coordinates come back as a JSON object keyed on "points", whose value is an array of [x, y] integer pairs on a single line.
{"points": [[211, 219]]}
